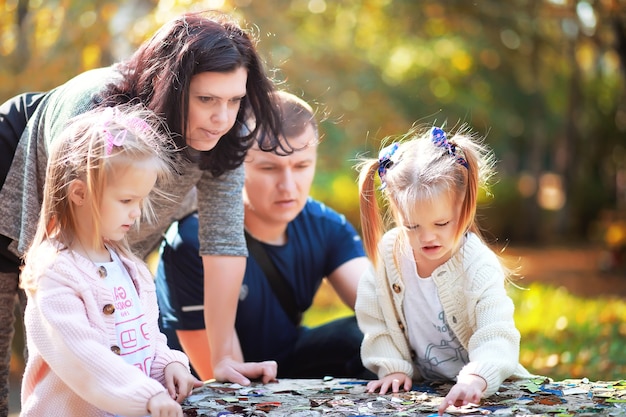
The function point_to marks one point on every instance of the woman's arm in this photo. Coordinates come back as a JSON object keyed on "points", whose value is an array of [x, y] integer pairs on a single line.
{"points": [[223, 276]]}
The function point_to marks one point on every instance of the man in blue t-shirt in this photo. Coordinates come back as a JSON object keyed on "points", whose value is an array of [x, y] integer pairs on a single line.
{"points": [[305, 242]]}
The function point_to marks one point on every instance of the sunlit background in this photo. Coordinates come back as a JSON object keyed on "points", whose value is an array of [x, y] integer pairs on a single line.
{"points": [[542, 80]]}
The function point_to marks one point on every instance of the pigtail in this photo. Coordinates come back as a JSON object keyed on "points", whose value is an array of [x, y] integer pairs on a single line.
{"points": [[469, 203], [480, 164], [371, 221]]}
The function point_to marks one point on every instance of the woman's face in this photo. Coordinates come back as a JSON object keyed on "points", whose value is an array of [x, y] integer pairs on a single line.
{"points": [[214, 101]]}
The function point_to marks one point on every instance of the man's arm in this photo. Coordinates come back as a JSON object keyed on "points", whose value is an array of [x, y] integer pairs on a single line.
{"points": [[345, 279], [223, 276]]}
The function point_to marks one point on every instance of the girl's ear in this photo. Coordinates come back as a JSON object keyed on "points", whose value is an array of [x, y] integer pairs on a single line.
{"points": [[78, 192]]}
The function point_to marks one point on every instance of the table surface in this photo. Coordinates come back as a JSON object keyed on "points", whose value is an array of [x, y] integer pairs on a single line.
{"points": [[346, 397]]}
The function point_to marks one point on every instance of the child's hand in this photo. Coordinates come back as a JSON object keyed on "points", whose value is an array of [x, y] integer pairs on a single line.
{"points": [[468, 389], [179, 381], [393, 382], [161, 405]]}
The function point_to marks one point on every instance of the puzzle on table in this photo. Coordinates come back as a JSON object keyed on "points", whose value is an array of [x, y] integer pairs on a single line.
{"points": [[344, 397]]}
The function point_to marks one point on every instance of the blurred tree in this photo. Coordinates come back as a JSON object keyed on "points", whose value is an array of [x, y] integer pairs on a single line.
{"points": [[43, 44], [540, 78], [543, 80]]}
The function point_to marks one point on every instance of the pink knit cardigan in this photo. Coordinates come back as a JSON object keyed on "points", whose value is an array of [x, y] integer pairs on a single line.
{"points": [[72, 369]]}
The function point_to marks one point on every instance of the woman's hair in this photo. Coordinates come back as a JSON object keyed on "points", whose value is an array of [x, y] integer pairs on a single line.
{"points": [[89, 149], [422, 165], [160, 71]]}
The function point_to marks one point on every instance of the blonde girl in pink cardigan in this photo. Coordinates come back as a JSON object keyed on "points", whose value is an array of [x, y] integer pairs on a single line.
{"points": [[94, 347], [434, 306]]}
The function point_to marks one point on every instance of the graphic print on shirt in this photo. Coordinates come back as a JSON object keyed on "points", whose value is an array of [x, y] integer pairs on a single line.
{"points": [[131, 328], [133, 336], [122, 302], [445, 358], [439, 354]]}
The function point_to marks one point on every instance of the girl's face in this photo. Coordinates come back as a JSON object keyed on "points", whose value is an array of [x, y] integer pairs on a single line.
{"points": [[431, 231], [123, 197], [214, 101]]}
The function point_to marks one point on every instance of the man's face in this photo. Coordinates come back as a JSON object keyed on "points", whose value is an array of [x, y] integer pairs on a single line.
{"points": [[277, 186]]}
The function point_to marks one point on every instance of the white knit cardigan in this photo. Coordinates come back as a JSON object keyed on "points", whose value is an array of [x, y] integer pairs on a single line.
{"points": [[479, 311]]}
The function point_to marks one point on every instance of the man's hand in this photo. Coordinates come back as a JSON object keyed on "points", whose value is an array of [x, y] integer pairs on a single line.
{"points": [[230, 370]]}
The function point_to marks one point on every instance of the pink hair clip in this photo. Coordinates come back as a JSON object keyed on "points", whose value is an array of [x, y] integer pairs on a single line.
{"points": [[117, 140], [134, 123], [138, 124], [107, 115]]}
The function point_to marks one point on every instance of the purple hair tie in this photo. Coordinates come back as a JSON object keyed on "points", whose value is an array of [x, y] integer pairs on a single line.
{"points": [[385, 162], [440, 140]]}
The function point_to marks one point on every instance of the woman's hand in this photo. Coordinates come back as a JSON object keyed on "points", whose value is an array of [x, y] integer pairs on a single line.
{"points": [[238, 372], [468, 389], [179, 382], [393, 382]]}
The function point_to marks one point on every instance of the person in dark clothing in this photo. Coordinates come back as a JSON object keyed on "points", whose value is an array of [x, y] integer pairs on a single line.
{"points": [[202, 74], [304, 239]]}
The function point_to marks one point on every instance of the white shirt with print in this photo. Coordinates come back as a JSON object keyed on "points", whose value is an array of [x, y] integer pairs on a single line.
{"points": [[440, 355], [130, 320]]}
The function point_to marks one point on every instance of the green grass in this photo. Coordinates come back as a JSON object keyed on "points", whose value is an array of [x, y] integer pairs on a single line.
{"points": [[327, 306], [567, 336], [563, 336]]}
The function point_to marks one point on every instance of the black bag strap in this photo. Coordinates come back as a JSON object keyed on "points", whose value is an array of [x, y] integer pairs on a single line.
{"points": [[14, 115], [279, 284]]}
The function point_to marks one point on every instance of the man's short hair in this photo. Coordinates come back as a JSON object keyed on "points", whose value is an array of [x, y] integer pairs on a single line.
{"points": [[296, 114]]}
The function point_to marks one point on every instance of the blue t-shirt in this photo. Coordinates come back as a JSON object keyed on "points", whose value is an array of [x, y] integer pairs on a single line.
{"points": [[318, 241]]}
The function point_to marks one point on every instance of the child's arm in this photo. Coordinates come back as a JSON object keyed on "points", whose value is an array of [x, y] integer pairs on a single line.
{"points": [[391, 382], [161, 405], [170, 367], [494, 345], [385, 349]]}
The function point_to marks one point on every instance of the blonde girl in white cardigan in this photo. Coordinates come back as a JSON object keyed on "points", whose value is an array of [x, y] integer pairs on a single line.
{"points": [[433, 306], [94, 346]]}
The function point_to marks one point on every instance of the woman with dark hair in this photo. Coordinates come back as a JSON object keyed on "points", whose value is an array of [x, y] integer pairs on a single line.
{"points": [[161, 72], [202, 74]]}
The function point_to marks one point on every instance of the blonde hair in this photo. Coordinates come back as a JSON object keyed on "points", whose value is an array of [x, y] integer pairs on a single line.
{"points": [[420, 170], [89, 149]]}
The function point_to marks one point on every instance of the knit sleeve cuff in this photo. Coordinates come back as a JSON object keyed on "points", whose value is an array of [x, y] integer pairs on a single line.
{"points": [[385, 366], [165, 358], [490, 373]]}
